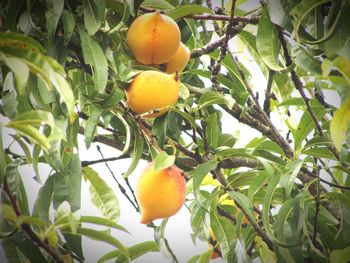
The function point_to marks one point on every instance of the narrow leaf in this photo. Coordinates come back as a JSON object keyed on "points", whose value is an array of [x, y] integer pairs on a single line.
{"points": [[163, 160], [340, 124], [185, 10], [93, 14], [102, 196], [93, 55], [136, 154], [267, 42]]}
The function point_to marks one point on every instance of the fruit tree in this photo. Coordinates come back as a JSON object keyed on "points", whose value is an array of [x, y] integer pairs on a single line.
{"points": [[241, 108]]}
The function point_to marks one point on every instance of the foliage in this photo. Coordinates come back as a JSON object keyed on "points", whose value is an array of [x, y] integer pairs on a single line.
{"points": [[64, 68]]}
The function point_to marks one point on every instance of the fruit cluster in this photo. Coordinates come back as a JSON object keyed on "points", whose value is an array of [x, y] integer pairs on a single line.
{"points": [[154, 39]]}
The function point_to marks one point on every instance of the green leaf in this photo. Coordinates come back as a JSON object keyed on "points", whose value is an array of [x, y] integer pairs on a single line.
{"points": [[9, 100], [74, 243], [136, 154], [266, 255], [67, 186], [162, 4], [53, 12], [105, 237], [127, 131], [185, 10], [90, 125], [185, 115], [93, 55], [49, 70], [134, 251], [267, 204], [102, 222], [226, 139], [212, 130], [93, 14], [267, 42], [20, 71], [12, 253], [281, 222], [68, 26], [162, 243], [201, 171], [102, 196], [307, 61], [320, 152], [138, 250], [279, 12], [163, 161], [306, 125], [2, 156], [237, 87], [224, 232], [244, 202], [340, 124], [300, 11], [159, 129], [343, 66], [288, 180], [44, 199], [340, 255], [28, 248], [210, 98], [12, 175], [20, 40]]}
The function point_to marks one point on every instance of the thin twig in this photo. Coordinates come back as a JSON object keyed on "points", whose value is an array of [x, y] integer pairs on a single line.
{"points": [[87, 163], [223, 49], [121, 188], [306, 171]]}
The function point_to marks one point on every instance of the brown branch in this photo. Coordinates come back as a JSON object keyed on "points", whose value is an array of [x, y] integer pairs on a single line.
{"points": [[300, 87], [223, 49], [27, 229], [222, 179], [236, 19], [267, 101], [236, 162], [250, 20], [210, 47]]}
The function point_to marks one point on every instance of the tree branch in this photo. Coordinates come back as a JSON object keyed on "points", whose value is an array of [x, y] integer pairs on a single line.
{"points": [[250, 20], [55, 255], [222, 179], [223, 49], [211, 46], [300, 87], [267, 101]]}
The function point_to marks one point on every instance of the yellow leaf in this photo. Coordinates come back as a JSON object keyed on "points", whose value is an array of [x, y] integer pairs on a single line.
{"points": [[340, 124]]}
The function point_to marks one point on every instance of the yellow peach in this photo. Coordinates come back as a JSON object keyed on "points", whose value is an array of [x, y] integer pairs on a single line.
{"points": [[153, 38], [161, 193], [152, 91], [179, 61]]}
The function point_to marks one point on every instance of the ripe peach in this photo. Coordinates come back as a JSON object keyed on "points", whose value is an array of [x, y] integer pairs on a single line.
{"points": [[153, 38], [151, 90], [179, 61], [161, 193]]}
